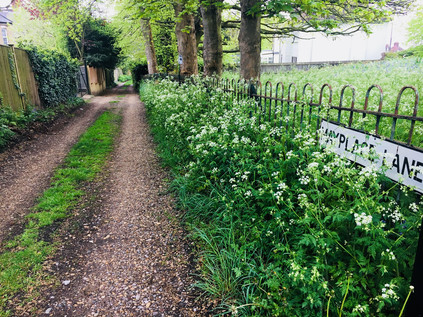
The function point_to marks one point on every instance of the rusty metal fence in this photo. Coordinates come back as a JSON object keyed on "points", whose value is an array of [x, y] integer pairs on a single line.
{"points": [[282, 105]]}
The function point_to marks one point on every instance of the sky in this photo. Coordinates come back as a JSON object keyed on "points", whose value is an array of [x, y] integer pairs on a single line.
{"points": [[400, 23], [4, 3]]}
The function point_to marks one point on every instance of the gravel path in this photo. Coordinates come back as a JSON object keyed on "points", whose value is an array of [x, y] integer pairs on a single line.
{"points": [[136, 262], [25, 170]]}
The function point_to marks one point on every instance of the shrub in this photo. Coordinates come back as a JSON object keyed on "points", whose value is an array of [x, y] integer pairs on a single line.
{"points": [[56, 76], [138, 70], [12, 121], [124, 78], [286, 228]]}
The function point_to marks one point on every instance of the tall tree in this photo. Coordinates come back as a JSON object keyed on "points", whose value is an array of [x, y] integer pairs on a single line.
{"points": [[71, 16], [149, 46], [249, 39], [98, 45], [212, 44], [185, 35]]}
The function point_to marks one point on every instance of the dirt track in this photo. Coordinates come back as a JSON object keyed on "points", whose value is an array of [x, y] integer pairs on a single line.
{"points": [[136, 262], [26, 169]]}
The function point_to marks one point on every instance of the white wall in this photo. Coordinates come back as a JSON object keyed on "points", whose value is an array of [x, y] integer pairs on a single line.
{"points": [[359, 46]]}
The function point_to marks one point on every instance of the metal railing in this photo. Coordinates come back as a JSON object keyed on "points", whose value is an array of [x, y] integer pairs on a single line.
{"points": [[284, 108], [283, 104]]}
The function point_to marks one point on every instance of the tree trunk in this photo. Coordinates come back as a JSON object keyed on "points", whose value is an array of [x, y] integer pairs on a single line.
{"points": [[187, 46], [250, 40], [212, 43], [149, 46]]}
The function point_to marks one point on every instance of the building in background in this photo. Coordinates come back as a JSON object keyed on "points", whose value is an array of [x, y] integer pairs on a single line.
{"points": [[5, 22], [315, 48]]}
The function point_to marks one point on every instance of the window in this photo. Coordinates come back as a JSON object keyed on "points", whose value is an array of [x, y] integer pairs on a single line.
{"points": [[4, 36]]}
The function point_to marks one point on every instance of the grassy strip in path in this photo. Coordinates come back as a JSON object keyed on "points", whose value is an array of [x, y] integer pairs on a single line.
{"points": [[22, 258]]}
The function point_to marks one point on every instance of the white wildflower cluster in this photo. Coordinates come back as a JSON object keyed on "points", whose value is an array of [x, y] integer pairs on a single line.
{"points": [[303, 200], [214, 170], [247, 194], [314, 274], [388, 292], [244, 176], [304, 180], [275, 174], [363, 220], [414, 207], [297, 272], [360, 308], [274, 132], [290, 155], [389, 254], [280, 190], [312, 166], [369, 172], [327, 169], [392, 212]]}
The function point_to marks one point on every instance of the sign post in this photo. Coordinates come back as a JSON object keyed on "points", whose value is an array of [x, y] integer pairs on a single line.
{"points": [[180, 61]]}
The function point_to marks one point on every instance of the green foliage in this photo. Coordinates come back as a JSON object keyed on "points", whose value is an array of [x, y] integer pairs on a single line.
{"points": [[124, 78], [165, 46], [415, 28], [326, 16], [11, 120], [42, 33], [22, 258], [56, 76], [416, 51], [99, 45], [70, 16], [138, 70], [286, 228], [12, 65]]}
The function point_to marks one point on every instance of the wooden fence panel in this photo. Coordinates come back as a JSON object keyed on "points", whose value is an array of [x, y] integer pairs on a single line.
{"points": [[97, 79], [7, 88], [9, 91], [27, 78]]}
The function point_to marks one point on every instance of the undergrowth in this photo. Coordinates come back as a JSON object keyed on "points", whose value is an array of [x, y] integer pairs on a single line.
{"points": [[22, 258], [283, 226], [12, 121]]}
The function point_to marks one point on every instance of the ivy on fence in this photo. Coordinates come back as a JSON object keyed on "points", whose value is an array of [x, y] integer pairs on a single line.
{"points": [[56, 76]]}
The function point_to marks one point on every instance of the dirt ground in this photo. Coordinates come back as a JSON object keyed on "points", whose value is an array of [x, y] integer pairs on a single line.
{"points": [[133, 258]]}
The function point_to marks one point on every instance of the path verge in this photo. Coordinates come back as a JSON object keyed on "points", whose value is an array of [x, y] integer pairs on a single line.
{"points": [[21, 259]]}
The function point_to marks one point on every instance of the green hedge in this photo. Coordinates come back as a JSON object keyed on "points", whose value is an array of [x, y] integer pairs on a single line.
{"points": [[56, 76]]}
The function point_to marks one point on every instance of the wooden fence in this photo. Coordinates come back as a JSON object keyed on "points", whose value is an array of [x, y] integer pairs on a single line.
{"points": [[17, 82], [97, 79]]}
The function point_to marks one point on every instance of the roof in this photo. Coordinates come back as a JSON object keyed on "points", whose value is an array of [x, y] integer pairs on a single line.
{"points": [[4, 19]]}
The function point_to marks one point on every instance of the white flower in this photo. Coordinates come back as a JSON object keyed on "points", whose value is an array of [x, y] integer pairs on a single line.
{"points": [[363, 220], [313, 165], [414, 207], [282, 186]]}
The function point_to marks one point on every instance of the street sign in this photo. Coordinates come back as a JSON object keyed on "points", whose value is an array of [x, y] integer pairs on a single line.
{"points": [[402, 163]]}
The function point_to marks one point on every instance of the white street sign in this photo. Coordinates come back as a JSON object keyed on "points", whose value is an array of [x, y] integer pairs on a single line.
{"points": [[403, 164]]}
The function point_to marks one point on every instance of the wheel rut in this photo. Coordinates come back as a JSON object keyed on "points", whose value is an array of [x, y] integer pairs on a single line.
{"points": [[26, 169], [136, 262]]}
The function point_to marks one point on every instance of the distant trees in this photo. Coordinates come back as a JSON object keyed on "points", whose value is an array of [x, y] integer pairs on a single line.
{"points": [[415, 28], [98, 45], [256, 19], [69, 28]]}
